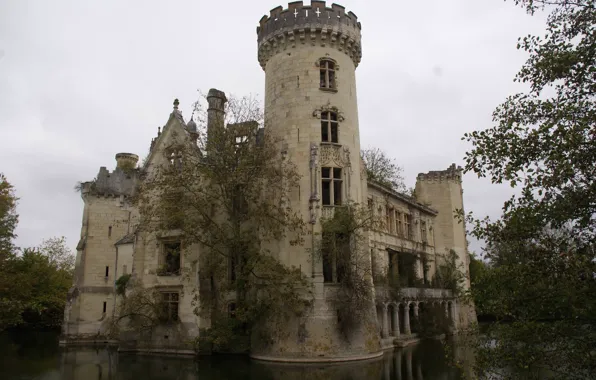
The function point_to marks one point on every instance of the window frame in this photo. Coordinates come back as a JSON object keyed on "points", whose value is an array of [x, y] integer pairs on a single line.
{"points": [[407, 226], [334, 184], [329, 127], [328, 74], [423, 231], [164, 266], [166, 304]]}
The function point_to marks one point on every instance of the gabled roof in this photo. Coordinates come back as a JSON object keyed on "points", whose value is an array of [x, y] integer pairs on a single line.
{"points": [[175, 123]]}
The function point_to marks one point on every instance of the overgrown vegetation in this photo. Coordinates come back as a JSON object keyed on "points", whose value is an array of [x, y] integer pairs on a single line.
{"points": [[541, 250], [141, 309], [382, 169], [450, 275], [225, 196], [346, 261]]}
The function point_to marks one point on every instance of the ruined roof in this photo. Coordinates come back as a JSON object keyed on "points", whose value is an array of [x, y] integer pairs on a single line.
{"points": [[127, 239], [402, 197]]}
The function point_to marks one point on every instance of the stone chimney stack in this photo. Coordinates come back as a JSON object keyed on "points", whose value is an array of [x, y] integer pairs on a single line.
{"points": [[215, 113], [126, 161]]}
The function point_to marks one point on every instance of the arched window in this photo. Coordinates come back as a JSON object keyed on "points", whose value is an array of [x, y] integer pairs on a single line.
{"points": [[327, 69], [329, 126]]}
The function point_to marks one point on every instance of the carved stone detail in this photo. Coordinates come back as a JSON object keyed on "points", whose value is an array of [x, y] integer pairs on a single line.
{"points": [[328, 108], [335, 155], [313, 202]]}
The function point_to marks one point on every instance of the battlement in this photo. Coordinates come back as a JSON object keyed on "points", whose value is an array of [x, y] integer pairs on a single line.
{"points": [[452, 173], [315, 24], [120, 182]]}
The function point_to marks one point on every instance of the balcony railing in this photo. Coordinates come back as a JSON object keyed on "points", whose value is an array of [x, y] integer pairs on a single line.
{"points": [[384, 291]]}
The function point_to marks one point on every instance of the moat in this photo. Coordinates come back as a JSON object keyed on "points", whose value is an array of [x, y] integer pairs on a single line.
{"points": [[37, 356]]}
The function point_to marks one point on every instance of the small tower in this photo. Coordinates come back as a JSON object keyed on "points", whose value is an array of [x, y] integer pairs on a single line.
{"points": [[443, 191], [309, 55]]}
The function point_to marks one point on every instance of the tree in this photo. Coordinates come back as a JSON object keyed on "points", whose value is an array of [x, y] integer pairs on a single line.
{"points": [[35, 284], [8, 217], [382, 169], [346, 260], [542, 248], [226, 195]]}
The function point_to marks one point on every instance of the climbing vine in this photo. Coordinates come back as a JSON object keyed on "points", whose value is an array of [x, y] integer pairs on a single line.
{"points": [[347, 262]]}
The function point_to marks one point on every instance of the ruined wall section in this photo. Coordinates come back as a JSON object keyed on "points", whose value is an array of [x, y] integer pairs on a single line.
{"points": [[443, 191], [108, 216]]}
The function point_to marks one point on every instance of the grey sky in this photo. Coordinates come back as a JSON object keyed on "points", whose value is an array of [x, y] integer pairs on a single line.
{"points": [[83, 80]]}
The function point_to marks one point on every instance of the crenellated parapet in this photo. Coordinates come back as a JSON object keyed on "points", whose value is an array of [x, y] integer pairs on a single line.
{"points": [[314, 24], [120, 182], [453, 173]]}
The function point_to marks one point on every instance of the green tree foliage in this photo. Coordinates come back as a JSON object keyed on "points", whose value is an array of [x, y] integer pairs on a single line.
{"points": [[477, 268], [34, 286], [383, 170], [226, 195], [449, 274], [8, 218], [541, 250]]}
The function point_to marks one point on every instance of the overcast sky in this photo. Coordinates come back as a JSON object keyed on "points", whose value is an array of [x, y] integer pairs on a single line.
{"points": [[83, 80]]}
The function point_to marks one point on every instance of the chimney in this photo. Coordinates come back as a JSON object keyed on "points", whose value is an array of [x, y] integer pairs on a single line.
{"points": [[215, 113]]}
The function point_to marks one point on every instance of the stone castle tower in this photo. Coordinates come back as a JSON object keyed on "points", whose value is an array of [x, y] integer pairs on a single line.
{"points": [[443, 190], [309, 55]]}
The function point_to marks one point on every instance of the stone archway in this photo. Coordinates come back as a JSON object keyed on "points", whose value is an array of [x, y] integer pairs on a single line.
{"points": [[413, 318]]}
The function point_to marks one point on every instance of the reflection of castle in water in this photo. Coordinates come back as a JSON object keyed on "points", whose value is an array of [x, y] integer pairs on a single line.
{"points": [[424, 361]]}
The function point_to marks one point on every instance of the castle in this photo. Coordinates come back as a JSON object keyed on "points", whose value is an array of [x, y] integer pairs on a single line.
{"points": [[309, 55]]}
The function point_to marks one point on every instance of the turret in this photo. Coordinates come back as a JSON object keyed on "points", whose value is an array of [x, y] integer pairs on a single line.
{"points": [[442, 190], [309, 55], [126, 161]]}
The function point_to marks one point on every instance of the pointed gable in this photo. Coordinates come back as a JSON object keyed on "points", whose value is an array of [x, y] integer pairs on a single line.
{"points": [[173, 133]]}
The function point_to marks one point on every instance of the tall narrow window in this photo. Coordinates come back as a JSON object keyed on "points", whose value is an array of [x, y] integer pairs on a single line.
{"points": [[232, 269], [110, 231], [107, 271], [423, 235], [105, 307], [407, 226], [332, 186], [335, 256], [327, 74], [400, 230], [169, 312], [329, 124], [387, 219], [170, 259]]}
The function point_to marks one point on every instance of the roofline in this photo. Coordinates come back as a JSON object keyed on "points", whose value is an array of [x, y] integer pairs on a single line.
{"points": [[403, 197]]}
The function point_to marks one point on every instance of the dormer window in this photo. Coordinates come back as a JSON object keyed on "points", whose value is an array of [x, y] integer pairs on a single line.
{"points": [[329, 126], [327, 70]]}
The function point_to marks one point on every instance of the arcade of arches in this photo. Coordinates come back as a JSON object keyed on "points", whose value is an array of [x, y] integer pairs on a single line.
{"points": [[394, 318]]}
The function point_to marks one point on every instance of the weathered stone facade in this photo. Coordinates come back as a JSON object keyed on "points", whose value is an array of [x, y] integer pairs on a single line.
{"points": [[309, 55]]}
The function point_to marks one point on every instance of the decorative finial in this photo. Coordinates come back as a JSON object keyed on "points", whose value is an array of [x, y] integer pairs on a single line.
{"points": [[176, 102], [158, 131]]}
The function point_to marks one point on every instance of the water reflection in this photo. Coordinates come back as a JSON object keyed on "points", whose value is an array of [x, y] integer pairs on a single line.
{"points": [[424, 361]]}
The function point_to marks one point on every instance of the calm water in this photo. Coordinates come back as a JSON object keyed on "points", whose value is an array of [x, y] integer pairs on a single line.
{"points": [[37, 356]]}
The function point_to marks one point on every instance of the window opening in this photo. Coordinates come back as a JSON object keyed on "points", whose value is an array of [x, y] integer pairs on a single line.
{"points": [[332, 186], [329, 127]]}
